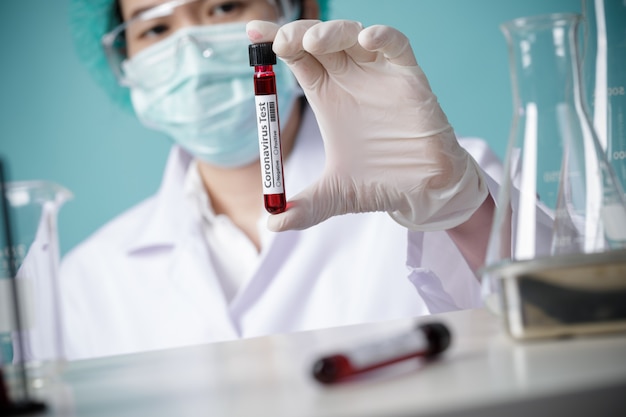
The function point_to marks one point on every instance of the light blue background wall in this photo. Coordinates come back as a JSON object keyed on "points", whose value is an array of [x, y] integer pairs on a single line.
{"points": [[56, 124]]}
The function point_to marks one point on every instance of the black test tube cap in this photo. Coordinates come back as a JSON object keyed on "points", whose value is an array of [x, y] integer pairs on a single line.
{"points": [[438, 337], [261, 54]]}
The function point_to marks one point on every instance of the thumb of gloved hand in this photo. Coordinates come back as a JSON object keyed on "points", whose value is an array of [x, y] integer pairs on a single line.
{"points": [[389, 146]]}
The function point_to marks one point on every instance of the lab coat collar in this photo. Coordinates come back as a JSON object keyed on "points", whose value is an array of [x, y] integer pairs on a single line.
{"points": [[170, 217]]}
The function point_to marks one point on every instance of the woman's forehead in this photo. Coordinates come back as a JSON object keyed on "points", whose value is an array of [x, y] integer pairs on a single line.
{"points": [[131, 8]]}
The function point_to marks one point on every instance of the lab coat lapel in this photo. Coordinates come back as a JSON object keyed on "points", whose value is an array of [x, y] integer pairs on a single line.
{"points": [[278, 250], [178, 226], [194, 275]]}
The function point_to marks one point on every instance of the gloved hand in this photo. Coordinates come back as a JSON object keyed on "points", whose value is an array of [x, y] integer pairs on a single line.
{"points": [[388, 144]]}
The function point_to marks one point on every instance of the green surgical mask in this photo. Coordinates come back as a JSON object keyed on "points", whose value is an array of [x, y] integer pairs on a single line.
{"points": [[196, 86]]}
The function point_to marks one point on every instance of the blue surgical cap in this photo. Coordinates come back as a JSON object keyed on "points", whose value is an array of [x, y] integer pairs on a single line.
{"points": [[89, 20]]}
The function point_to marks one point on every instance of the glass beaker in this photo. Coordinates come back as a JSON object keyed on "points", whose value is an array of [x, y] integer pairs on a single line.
{"points": [[560, 209], [604, 70], [31, 344]]}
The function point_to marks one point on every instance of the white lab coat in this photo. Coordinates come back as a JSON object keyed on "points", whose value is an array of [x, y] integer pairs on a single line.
{"points": [[145, 280]]}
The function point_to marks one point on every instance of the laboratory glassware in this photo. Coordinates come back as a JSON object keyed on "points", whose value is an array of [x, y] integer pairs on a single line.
{"points": [[263, 58], [31, 343], [604, 76], [425, 340], [556, 261]]}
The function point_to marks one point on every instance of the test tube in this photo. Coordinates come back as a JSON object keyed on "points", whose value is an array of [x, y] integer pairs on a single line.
{"points": [[425, 340], [262, 58]]}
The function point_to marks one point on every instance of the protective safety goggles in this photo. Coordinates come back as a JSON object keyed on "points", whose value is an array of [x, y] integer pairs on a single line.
{"points": [[150, 26]]}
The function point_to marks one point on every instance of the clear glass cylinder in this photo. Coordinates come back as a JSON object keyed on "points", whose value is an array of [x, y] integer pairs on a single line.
{"points": [[31, 343], [560, 201], [604, 75]]}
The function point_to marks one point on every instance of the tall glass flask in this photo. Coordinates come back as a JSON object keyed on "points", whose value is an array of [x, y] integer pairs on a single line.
{"points": [[31, 344], [559, 232], [604, 76]]}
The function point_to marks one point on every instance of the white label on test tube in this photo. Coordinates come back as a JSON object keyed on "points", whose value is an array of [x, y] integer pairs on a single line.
{"points": [[269, 144], [398, 346]]}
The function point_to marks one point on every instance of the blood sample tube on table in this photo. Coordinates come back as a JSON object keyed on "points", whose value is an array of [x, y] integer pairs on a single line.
{"points": [[262, 58], [426, 340]]}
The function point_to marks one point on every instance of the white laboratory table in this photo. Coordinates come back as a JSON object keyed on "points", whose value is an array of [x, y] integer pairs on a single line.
{"points": [[484, 373]]}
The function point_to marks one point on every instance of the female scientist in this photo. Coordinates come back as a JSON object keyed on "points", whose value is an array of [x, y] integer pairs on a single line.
{"points": [[201, 261]]}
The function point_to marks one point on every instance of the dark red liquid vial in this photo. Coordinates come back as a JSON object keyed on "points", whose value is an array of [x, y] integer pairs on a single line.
{"points": [[262, 58], [426, 340]]}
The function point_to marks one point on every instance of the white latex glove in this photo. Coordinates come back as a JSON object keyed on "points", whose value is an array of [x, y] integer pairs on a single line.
{"points": [[388, 144]]}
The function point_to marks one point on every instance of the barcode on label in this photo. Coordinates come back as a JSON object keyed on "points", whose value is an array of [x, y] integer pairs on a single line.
{"points": [[272, 107]]}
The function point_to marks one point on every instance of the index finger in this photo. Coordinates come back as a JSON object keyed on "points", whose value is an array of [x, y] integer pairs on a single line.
{"points": [[288, 46]]}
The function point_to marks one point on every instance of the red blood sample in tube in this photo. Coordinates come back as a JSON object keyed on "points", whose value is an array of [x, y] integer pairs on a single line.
{"points": [[427, 341], [262, 58]]}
